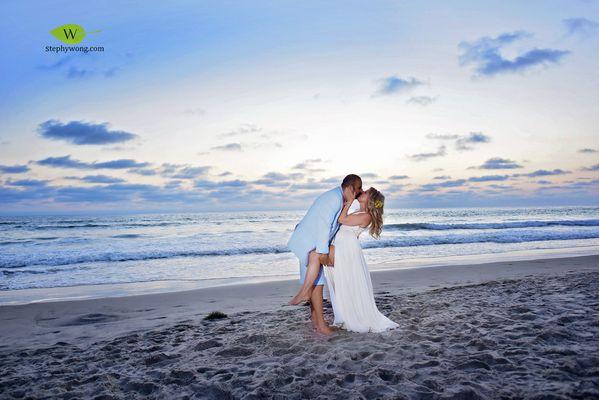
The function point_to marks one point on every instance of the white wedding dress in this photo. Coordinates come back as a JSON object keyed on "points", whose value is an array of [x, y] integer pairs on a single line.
{"points": [[350, 288]]}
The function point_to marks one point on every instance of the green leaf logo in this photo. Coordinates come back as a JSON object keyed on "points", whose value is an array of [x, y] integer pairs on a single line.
{"points": [[69, 33]]}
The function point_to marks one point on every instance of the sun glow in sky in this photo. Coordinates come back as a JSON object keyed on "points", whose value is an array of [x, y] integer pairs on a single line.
{"points": [[263, 105]]}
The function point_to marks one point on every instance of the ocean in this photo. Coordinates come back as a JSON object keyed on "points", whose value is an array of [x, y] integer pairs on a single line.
{"points": [[60, 251]]}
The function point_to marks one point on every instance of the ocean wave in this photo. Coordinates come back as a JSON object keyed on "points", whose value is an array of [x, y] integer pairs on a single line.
{"points": [[481, 237], [139, 256], [106, 225], [516, 236], [489, 225]]}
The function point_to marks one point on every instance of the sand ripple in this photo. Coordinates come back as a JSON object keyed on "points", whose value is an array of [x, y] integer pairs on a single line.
{"points": [[536, 337]]}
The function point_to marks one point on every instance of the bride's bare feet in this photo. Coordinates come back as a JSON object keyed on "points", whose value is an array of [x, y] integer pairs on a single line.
{"points": [[324, 329]]}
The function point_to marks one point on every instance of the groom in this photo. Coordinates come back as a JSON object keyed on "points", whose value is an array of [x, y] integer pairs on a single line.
{"points": [[311, 238]]}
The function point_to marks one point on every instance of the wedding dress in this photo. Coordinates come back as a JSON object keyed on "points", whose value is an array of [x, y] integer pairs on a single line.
{"points": [[350, 288]]}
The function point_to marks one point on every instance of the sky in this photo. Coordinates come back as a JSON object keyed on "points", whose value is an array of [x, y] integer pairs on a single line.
{"points": [[264, 105]]}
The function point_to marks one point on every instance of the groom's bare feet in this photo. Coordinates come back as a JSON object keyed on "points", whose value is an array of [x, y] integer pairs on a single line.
{"points": [[300, 298]]}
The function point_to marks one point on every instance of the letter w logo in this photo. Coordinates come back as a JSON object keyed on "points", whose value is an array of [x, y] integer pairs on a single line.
{"points": [[69, 33]]}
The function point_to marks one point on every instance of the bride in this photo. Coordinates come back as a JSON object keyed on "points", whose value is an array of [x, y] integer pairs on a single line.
{"points": [[348, 279]]}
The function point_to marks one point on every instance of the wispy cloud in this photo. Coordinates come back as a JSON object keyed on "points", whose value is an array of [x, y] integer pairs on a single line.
{"points": [[244, 129], [68, 162], [445, 184], [394, 84], [488, 178], [484, 54], [422, 100], [498, 163], [14, 169], [311, 165], [101, 179], [82, 133], [544, 172], [466, 142], [581, 26], [228, 147], [28, 182], [587, 150], [398, 177], [462, 142], [441, 152], [591, 168]]}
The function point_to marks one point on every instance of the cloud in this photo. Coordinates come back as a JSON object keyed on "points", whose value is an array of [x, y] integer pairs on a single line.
{"points": [[68, 162], [484, 54], [13, 169], [78, 73], [394, 84], [442, 177], [244, 129], [28, 183], [101, 179], [466, 142], [228, 147], [434, 186], [206, 184], [174, 171], [581, 26], [544, 172], [309, 165], [82, 133], [398, 177], [57, 65], [368, 175], [438, 136], [587, 151], [462, 142], [591, 168], [421, 100], [190, 172], [277, 179], [143, 171], [488, 178], [441, 151], [498, 163]]}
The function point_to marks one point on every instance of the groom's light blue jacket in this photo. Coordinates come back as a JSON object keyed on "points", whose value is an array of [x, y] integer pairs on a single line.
{"points": [[319, 225]]}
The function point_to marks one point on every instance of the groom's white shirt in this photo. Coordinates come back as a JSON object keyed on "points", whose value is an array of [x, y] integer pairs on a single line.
{"points": [[316, 230]]}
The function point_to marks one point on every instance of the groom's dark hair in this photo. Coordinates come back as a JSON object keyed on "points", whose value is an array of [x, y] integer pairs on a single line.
{"points": [[349, 180]]}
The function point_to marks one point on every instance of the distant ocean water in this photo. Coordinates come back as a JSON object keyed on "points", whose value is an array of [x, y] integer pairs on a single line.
{"points": [[56, 251]]}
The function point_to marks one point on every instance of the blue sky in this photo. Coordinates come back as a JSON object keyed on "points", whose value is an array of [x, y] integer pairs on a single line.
{"points": [[199, 106]]}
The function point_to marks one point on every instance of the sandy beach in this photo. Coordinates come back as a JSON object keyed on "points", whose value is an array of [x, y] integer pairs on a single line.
{"points": [[510, 329]]}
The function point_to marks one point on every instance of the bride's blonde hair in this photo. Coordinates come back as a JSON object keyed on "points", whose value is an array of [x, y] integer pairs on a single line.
{"points": [[374, 207]]}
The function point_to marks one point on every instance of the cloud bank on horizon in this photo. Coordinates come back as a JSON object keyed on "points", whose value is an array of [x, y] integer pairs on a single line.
{"points": [[196, 107]]}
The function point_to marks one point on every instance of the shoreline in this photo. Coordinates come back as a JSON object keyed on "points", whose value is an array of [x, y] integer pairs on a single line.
{"points": [[118, 290], [87, 320]]}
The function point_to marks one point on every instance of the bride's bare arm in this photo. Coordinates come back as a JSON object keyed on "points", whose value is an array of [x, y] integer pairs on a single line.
{"points": [[354, 219]]}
